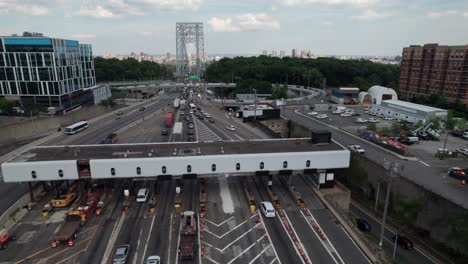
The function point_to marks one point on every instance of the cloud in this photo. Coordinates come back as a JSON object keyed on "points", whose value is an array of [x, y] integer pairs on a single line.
{"points": [[329, 2], [83, 36], [175, 4], [327, 23], [24, 7], [442, 13], [369, 15], [97, 12], [244, 22]]}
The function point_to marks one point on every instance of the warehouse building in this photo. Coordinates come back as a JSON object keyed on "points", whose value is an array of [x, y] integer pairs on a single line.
{"points": [[345, 95], [409, 112]]}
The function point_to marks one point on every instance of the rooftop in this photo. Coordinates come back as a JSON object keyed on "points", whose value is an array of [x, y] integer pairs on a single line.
{"points": [[414, 106], [146, 150]]}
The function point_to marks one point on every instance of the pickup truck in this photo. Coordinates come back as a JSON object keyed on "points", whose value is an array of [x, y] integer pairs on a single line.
{"points": [[68, 231]]}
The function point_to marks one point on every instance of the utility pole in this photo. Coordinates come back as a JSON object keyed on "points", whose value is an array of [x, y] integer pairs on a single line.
{"points": [[255, 104], [445, 145], [377, 195]]}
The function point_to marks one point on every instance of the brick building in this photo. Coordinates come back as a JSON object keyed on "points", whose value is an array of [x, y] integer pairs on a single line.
{"points": [[434, 69]]}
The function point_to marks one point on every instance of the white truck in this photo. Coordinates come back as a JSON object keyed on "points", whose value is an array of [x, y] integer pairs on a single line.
{"points": [[176, 103], [177, 132], [182, 104]]}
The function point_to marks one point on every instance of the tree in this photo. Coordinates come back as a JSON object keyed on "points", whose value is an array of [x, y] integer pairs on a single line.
{"points": [[279, 92], [6, 106], [129, 69], [372, 127], [435, 123], [419, 124], [313, 77]]}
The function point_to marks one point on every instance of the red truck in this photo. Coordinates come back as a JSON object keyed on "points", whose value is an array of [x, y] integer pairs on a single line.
{"points": [[68, 231], [169, 119], [89, 203], [188, 234]]}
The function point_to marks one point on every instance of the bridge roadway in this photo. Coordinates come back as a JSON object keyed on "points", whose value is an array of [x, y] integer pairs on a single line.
{"points": [[227, 210]]}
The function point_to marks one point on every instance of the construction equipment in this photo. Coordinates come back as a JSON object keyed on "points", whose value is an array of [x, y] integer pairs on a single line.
{"points": [[188, 235]]}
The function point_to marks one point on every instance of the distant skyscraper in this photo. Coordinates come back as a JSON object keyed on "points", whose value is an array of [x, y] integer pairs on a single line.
{"points": [[294, 53], [274, 53], [265, 52], [282, 53]]}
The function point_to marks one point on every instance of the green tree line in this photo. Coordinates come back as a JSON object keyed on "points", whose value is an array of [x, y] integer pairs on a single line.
{"points": [[320, 73], [110, 70]]}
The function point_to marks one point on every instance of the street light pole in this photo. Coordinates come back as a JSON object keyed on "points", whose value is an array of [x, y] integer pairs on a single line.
{"points": [[445, 145], [377, 195], [392, 167], [255, 104]]}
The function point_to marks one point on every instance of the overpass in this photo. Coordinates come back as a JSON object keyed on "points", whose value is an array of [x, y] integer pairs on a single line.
{"points": [[163, 85], [254, 157]]}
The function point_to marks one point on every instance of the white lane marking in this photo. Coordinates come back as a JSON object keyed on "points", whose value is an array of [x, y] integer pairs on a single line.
{"points": [[352, 240], [170, 241], [149, 234], [212, 260], [321, 241], [424, 163], [178, 244], [390, 230], [261, 253], [196, 127], [234, 241], [228, 232], [238, 137], [225, 193], [248, 248], [269, 237], [297, 237], [138, 246], [273, 260], [220, 224], [199, 242], [116, 230]]}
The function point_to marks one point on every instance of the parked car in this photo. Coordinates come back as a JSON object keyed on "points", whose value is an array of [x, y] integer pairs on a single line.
{"points": [[142, 108], [363, 225], [322, 116], [231, 128], [337, 112], [346, 114], [457, 173], [356, 149], [403, 242], [119, 113], [164, 132], [153, 260], [312, 113], [463, 151], [267, 209], [121, 254], [373, 120], [361, 120], [182, 113], [211, 120], [388, 118]]}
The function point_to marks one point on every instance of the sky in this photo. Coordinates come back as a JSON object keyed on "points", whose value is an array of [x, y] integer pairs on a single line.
{"points": [[341, 27]]}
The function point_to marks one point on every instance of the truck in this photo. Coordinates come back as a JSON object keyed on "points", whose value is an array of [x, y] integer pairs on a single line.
{"points": [[182, 104], [177, 132], [112, 138], [188, 235], [169, 119], [176, 103], [68, 231], [88, 204]]}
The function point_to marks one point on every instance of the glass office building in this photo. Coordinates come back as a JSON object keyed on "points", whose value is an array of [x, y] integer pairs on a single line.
{"points": [[46, 71]]}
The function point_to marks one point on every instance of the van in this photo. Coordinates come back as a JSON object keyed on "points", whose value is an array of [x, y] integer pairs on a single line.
{"points": [[341, 108], [268, 209], [142, 195], [465, 135], [413, 139]]}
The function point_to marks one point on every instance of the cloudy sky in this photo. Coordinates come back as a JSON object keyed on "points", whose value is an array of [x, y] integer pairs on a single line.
{"points": [[351, 27]]}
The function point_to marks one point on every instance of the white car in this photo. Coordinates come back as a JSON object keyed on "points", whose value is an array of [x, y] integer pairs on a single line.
{"points": [[463, 151], [346, 114], [142, 195], [153, 260], [190, 112], [388, 118], [361, 120], [356, 149], [267, 209], [337, 112], [182, 113], [312, 113], [231, 128], [322, 116], [373, 120]]}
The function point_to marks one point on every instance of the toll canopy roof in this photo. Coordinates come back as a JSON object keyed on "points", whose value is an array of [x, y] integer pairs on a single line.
{"points": [[146, 150]]}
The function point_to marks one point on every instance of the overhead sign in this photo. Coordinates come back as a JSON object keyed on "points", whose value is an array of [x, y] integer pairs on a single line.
{"points": [[194, 77]]}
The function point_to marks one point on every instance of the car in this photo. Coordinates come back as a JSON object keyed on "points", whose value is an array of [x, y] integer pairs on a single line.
{"points": [[190, 132], [187, 118], [373, 120], [346, 114], [121, 254], [153, 260], [198, 107], [201, 117], [182, 113], [322, 116], [190, 112], [142, 195], [312, 113], [361, 120], [63, 200], [231, 128], [164, 132], [463, 151], [387, 118], [356, 148], [457, 173], [142, 108], [363, 225], [403, 242], [267, 209], [190, 138], [190, 125], [119, 113], [211, 120], [337, 112]]}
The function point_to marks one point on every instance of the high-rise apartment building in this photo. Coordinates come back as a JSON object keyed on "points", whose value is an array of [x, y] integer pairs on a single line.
{"points": [[294, 53], [274, 53], [45, 71], [265, 52], [434, 69], [282, 54]]}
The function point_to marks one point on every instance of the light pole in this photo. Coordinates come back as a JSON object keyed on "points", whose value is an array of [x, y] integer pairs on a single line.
{"points": [[445, 145], [255, 104]]}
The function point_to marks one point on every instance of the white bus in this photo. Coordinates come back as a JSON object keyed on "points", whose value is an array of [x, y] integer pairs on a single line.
{"points": [[75, 128], [192, 106]]}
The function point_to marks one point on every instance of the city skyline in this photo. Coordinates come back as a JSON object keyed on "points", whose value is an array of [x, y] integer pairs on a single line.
{"points": [[341, 27]]}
